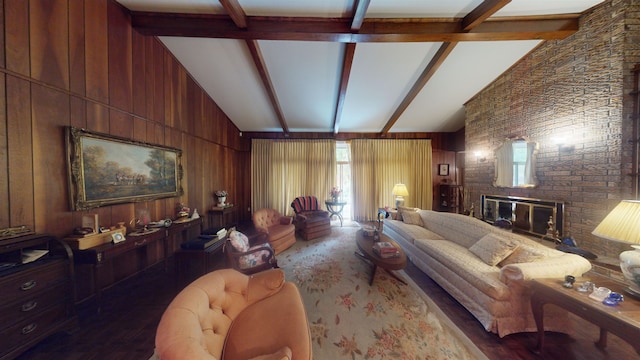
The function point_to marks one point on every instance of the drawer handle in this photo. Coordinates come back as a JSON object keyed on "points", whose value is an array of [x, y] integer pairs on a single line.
{"points": [[29, 328], [28, 285], [29, 306], [141, 242]]}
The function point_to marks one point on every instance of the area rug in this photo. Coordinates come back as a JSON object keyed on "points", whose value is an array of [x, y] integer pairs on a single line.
{"points": [[351, 320]]}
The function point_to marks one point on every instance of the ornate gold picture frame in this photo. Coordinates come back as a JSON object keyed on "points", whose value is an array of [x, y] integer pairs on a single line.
{"points": [[106, 170]]}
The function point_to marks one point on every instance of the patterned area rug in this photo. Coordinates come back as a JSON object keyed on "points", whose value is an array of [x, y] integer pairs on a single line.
{"points": [[351, 320]]}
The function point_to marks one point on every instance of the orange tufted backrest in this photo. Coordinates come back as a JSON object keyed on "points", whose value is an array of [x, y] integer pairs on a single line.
{"points": [[264, 218], [196, 322]]}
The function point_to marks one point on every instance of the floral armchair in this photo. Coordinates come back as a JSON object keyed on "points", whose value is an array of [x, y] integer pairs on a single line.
{"points": [[247, 256], [310, 221]]}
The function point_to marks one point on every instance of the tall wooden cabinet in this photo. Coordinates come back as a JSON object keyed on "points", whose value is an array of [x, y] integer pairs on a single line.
{"points": [[37, 297], [449, 197]]}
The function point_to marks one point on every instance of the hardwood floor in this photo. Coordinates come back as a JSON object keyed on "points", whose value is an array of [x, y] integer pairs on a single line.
{"points": [[125, 328]]}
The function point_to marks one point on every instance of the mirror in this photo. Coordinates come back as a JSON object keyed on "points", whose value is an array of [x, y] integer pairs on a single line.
{"points": [[515, 164]]}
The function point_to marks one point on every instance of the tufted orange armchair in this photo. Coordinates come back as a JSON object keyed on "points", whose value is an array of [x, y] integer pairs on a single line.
{"points": [[228, 315], [280, 229]]}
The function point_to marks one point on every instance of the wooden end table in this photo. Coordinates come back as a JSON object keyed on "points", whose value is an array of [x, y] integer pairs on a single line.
{"points": [[365, 252], [622, 320]]}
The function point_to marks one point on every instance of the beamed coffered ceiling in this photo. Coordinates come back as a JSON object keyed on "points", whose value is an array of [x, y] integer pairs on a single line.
{"points": [[374, 66]]}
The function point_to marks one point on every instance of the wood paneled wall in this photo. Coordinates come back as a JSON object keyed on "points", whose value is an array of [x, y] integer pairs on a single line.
{"points": [[80, 63]]}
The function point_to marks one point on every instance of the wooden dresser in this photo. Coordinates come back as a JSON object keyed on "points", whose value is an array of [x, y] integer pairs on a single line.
{"points": [[37, 297]]}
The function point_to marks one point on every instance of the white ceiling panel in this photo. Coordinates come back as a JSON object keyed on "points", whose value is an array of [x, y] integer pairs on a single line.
{"points": [[420, 8], [305, 76], [226, 72], [545, 7], [381, 76], [324, 8], [470, 67]]}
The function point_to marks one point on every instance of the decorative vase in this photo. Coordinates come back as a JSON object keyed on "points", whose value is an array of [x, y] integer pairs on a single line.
{"points": [[630, 266], [221, 200]]}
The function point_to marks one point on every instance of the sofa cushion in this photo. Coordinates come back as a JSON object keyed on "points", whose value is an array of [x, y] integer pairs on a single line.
{"points": [[411, 232], [461, 229], [412, 218], [523, 254], [492, 248], [466, 265], [402, 209]]}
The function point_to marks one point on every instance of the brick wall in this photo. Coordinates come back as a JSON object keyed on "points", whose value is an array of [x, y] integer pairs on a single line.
{"points": [[580, 88]]}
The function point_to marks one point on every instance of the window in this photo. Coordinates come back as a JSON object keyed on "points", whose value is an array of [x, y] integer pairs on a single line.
{"points": [[343, 174], [519, 162]]}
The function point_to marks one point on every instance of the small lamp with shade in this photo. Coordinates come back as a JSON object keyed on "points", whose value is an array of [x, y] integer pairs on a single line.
{"points": [[623, 224], [400, 191]]}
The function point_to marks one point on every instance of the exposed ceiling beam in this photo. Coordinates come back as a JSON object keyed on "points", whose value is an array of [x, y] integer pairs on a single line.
{"points": [[472, 20], [482, 13], [444, 51], [236, 13], [347, 61], [339, 29], [256, 54], [358, 16]]}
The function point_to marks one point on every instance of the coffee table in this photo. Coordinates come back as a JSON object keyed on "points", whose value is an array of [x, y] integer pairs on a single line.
{"points": [[365, 252], [622, 320]]}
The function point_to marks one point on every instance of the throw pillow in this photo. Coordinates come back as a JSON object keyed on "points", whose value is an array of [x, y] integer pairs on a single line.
{"points": [[522, 255], [492, 249], [412, 218], [239, 241], [403, 209]]}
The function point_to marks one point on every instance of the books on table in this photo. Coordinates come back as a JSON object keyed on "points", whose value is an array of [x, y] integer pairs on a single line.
{"points": [[385, 249]]}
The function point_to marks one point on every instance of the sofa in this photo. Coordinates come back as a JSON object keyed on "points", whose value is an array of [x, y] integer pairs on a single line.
{"points": [[229, 315], [485, 268], [281, 231]]}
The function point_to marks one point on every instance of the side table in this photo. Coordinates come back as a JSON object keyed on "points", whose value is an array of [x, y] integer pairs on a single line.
{"points": [[385, 213], [335, 208], [193, 263], [622, 320], [221, 214]]}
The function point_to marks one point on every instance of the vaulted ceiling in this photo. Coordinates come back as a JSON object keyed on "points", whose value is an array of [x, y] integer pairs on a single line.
{"points": [[374, 66]]}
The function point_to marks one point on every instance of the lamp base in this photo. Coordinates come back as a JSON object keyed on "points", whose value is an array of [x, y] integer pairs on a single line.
{"points": [[630, 266], [399, 201]]}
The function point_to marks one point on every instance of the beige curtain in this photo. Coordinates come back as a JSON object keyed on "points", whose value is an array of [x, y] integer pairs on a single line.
{"points": [[282, 170], [377, 165]]}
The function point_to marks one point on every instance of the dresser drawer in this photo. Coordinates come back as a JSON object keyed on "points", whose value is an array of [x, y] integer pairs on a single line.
{"points": [[32, 329], [34, 304], [38, 278]]}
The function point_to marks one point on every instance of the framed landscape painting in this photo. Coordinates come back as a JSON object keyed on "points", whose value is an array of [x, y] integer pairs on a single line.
{"points": [[105, 170]]}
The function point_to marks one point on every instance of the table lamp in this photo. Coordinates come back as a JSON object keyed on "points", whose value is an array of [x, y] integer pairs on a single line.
{"points": [[400, 191], [623, 224]]}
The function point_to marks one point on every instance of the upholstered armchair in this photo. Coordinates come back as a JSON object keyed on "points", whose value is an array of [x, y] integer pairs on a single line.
{"points": [[249, 256], [310, 221], [229, 315], [279, 228]]}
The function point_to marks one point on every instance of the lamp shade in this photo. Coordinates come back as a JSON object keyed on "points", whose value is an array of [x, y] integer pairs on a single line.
{"points": [[622, 223], [400, 190]]}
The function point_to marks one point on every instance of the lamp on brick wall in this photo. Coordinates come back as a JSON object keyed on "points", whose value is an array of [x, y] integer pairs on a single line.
{"points": [[623, 224]]}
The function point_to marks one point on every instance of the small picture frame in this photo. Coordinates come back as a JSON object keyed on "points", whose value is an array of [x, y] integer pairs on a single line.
{"points": [[117, 237], [443, 169]]}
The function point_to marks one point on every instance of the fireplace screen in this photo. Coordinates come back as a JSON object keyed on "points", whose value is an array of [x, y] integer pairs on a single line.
{"points": [[532, 216]]}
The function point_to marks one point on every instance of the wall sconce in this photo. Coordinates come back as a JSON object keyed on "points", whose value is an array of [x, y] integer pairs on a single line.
{"points": [[563, 145], [480, 157]]}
